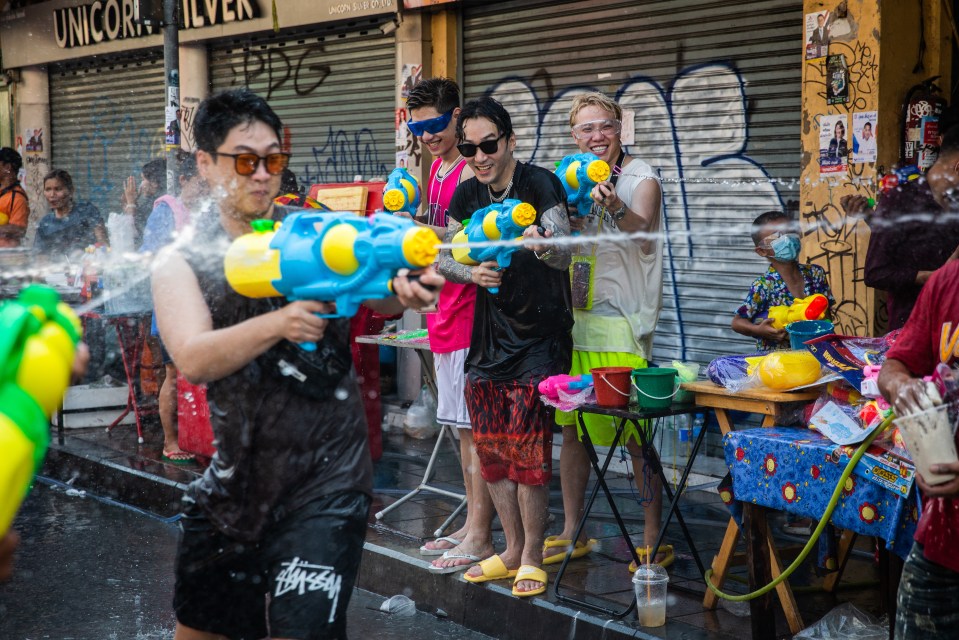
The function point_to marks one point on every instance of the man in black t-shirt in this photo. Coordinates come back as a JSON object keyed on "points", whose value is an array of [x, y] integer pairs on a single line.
{"points": [[520, 336], [273, 531]]}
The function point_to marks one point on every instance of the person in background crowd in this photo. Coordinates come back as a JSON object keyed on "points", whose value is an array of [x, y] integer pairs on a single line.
{"points": [[71, 226], [520, 336], [14, 204], [434, 107], [273, 531], [617, 297], [930, 578], [171, 215], [915, 230], [137, 200]]}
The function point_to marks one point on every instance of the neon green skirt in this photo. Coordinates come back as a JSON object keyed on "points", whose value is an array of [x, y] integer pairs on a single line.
{"points": [[601, 428]]}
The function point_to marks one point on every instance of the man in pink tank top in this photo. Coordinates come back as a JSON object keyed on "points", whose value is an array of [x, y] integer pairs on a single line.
{"points": [[433, 105]]}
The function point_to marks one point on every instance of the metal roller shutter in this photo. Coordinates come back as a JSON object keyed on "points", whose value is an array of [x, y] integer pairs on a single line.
{"points": [[715, 87], [334, 93], [107, 122]]}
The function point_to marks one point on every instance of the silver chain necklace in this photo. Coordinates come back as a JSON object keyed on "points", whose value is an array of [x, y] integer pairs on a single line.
{"points": [[509, 186]]}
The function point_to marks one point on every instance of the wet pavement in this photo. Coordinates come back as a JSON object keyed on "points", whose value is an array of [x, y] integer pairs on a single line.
{"points": [[92, 570], [117, 466]]}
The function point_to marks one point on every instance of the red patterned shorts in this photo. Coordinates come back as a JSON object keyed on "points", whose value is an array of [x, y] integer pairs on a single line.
{"points": [[512, 430]]}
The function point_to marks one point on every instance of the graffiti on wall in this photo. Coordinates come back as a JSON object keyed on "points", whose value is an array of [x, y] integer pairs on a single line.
{"points": [[695, 133], [832, 239], [344, 155], [114, 145]]}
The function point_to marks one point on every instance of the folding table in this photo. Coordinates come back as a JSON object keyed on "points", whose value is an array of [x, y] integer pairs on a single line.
{"points": [[651, 457], [421, 345]]}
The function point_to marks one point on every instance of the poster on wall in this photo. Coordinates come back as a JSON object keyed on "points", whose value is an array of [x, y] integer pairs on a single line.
{"points": [[34, 138], [833, 145], [817, 34], [411, 74], [837, 80], [864, 136]]}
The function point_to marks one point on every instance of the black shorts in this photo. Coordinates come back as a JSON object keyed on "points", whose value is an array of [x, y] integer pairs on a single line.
{"points": [[296, 582]]}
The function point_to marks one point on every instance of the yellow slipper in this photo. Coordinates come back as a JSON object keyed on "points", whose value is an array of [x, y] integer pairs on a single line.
{"points": [[493, 569], [581, 549], [529, 572], [641, 552]]}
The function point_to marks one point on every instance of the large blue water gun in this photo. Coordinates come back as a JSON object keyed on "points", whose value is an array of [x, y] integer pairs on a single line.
{"points": [[327, 256], [499, 221], [579, 173], [402, 192]]}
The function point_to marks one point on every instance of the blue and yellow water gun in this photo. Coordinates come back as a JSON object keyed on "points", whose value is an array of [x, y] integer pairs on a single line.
{"points": [[401, 192], [331, 257], [579, 173], [499, 221], [38, 340]]}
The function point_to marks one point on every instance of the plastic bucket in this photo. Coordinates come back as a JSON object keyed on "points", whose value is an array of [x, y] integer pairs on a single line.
{"points": [[611, 385], [804, 330], [655, 387]]}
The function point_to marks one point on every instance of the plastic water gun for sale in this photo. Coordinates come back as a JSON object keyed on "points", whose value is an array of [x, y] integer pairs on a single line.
{"points": [[332, 257], [38, 341], [809, 308], [900, 176], [499, 221], [579, 173], [402, 192], [551, 386], [781, 370]]}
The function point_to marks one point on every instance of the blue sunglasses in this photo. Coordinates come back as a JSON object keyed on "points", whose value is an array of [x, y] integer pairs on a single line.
{"points": [[433, 125]]}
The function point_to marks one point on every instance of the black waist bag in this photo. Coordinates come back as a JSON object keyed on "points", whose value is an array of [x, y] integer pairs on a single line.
{"points": [[314, 374]]}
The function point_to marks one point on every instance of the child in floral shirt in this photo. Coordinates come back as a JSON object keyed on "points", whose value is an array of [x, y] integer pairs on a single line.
{"points": [[785, 280]]}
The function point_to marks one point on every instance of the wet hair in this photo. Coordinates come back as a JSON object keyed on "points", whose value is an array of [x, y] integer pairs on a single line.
{"points": [[763, 219], [288, 183], [155, 171], [594, 99], [489, 108], [221, 113], [10, 156], [62, 175], [950, 142], [440, 93]]}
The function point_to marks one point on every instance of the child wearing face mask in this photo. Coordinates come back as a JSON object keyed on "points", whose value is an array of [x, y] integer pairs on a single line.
{"points": [[775, 235]]}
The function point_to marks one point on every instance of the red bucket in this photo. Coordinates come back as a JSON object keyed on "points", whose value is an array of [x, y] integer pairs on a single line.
{"points": [[612, 385]]}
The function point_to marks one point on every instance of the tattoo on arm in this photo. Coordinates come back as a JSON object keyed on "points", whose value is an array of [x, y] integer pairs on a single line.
{"points": [[447, 266], [555, 219]]}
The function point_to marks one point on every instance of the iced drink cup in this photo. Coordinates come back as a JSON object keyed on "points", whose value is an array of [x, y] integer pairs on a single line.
{"points": [[930, 437], [649, 584]]}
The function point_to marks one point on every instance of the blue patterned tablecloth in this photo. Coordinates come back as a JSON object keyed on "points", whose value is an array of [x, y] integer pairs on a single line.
{"points": [[796, 470]]}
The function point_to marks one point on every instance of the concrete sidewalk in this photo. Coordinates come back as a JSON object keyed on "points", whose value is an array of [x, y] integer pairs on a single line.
{"points": [[115, 465]]}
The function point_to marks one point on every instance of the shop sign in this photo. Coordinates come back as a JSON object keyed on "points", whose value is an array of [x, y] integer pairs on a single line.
{"points": [[108, 20]]}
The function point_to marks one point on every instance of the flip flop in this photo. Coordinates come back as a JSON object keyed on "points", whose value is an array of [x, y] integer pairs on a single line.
{"points": [[426, 551], [641, 552], [179, 457], [450, 555], [529, 572], [580, 550], [493, 569]]}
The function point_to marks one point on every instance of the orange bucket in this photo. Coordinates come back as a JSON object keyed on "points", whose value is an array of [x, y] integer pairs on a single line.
{"points": [[612, 385]]}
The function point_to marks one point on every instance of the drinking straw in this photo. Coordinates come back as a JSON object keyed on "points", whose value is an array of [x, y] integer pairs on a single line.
{"points": [[649, 596]]}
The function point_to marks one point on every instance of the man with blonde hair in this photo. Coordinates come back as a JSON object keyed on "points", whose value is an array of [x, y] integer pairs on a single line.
{"points": [[617, 289]]}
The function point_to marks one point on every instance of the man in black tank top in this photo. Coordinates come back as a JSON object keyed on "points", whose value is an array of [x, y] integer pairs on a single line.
{"points": [[282, 508]]}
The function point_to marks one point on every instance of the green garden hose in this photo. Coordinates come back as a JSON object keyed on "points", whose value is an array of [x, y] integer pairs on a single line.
{"points": [[823, 521]]}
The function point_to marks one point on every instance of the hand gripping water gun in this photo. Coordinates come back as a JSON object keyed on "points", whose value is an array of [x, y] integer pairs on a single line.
{"points": [[332, 257], [38, 340], [809, 308], [402, 192], [579, 173], [499, 221], [551, 386]]}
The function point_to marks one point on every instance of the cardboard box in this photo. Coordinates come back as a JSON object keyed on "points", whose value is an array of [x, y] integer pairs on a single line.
{"points": [[94, 406]]}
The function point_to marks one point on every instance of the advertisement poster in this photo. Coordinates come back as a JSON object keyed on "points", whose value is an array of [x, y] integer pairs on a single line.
{"points": [[833, 145], [34, 138], [929, 142], [864, 136], [837, 80], [817, 35]]}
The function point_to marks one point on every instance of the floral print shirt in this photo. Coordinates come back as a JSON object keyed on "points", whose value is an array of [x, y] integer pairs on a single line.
{"points": [[770, 290]]}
